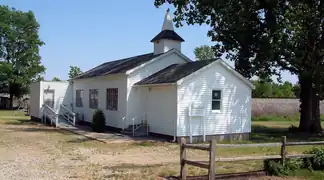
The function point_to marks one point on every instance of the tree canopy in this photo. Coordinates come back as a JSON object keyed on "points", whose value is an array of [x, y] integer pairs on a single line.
{"points": [[204, 52], [56, 79], [20, 62], [264, 37], [266, 89], [74, 71]]}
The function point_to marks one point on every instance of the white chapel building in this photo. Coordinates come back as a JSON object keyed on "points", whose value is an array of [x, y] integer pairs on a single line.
{"points": [[162, 92]]}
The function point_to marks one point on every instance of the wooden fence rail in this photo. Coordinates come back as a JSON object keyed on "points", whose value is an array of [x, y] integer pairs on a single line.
{"points": [[211, 148]]}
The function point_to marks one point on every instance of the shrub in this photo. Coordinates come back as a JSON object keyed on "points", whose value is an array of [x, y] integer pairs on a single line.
{"points": [[98, 121], [316, 162], [275, 167]]}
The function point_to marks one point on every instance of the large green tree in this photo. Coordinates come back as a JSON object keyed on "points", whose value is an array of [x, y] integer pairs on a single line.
{"points": [[74, 71], [20, 62], [264, 37], [204, 52]]}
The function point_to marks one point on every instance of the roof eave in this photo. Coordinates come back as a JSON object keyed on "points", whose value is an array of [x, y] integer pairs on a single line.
{"points": [[157, 39], [158, 84], [116, 74]]}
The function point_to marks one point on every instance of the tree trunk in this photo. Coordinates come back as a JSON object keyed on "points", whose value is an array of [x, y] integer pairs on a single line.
{"points": [[10, 101], [316, 122], [306, 112]]}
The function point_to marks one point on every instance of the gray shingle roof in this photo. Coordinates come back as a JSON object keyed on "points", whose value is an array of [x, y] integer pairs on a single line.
{"points": [[167, 34], [117, 66], [174, 72]]}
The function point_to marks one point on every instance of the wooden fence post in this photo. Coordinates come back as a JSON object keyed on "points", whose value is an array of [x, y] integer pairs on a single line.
{"points": [[183, 170], [283, 149], [212, 153]]}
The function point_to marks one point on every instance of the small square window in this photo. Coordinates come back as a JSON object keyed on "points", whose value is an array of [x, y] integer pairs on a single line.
{"points": [[216, 99], [216, 94]]}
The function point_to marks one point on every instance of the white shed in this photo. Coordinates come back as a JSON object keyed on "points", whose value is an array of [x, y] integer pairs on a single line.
{"points": [[198, 100], [52, 93]]}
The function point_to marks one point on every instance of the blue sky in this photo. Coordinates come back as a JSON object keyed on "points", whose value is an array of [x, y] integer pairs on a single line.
{"points": [[87, 33]]}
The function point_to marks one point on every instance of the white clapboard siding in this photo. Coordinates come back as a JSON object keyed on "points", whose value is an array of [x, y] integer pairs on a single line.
{"points": [[235, 114], [162, 109], [134, 94], [113, 118]]}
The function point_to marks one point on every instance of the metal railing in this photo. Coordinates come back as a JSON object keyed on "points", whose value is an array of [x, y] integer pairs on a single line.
{"points": [[51, 114], [136, 125], [67, 114], [139, 123]]}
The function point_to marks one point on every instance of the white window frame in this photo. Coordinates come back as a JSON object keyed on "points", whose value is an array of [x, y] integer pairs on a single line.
{"points": [[110, 105], [221, 101], [79, 100], [96, 98]]}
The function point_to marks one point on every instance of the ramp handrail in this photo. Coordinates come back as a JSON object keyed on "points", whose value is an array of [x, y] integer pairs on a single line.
{"points": [[67, 114], [50, 113]]}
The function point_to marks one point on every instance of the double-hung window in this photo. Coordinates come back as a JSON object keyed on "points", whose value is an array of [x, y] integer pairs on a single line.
{"points": [[79, 98], [216, 100], [112, 99], [93, 98]]}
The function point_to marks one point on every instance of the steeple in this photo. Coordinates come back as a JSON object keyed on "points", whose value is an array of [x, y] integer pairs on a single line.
{"points": [[167, 24], [167, 39]]}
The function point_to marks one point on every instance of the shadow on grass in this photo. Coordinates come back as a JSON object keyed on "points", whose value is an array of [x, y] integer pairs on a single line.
{"points": [[274, 134], [40, 129], [81, 140], [132, 166], [20, 122]]}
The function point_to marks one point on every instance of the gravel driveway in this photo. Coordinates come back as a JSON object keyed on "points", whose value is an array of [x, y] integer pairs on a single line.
{"points": [[33, 151]]}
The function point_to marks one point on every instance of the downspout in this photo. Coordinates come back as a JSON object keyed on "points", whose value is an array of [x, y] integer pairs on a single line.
{"points": [[72, 87], [177, 119]]}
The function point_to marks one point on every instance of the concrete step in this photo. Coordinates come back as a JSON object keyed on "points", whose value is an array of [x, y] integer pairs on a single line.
{"points": [[141, 131], [64, 123], [127, 132]]}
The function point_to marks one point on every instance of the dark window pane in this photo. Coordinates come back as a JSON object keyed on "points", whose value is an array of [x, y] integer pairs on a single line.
{"points": [[216, 94], [79, 98], [93, 98], [216, 105], [112, 99]]}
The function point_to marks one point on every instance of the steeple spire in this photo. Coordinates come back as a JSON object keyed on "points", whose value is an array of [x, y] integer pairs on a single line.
{"points": [[167, 24], [167, 39]]}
